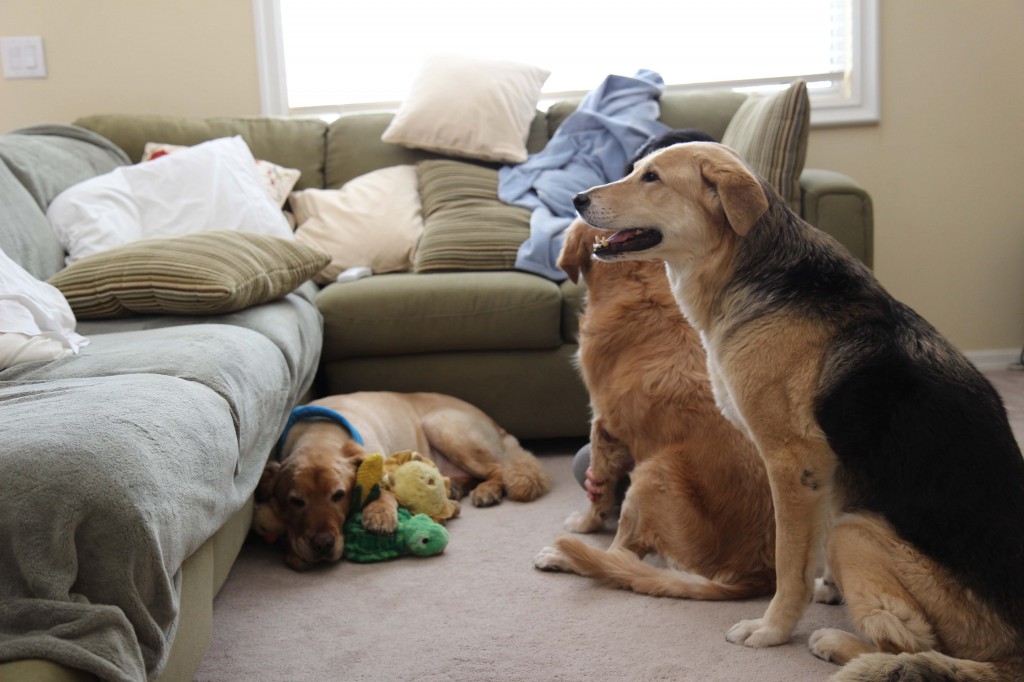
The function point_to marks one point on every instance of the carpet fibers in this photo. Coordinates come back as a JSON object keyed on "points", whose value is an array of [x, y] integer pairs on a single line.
{"points": [[481, 612]]}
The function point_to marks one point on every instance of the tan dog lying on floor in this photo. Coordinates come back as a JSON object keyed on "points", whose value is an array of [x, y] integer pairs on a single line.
{"points": [[307, 490], [877, 433], [698, 494]]}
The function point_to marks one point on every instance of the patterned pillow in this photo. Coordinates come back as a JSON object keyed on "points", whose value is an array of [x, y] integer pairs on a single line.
{"points": [[465, 225], [770, 132], [278, 180], [202, 273]]}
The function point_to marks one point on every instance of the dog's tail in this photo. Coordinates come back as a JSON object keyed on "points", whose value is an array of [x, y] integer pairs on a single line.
{"points": [[928, 666], [627, 570], [522, 474]]}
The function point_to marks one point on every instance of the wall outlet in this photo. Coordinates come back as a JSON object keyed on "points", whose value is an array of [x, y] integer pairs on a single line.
{"points": [[23, 57]]}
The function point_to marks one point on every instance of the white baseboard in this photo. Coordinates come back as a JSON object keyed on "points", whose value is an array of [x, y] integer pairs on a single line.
{"points": [[1000, 358]]}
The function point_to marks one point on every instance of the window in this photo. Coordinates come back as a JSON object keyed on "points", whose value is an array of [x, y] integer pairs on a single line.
{"points": [[324, 57]]}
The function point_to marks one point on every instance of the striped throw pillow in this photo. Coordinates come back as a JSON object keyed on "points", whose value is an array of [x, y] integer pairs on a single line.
{"points": [[770, 132], [202, 273], [465, 225]]}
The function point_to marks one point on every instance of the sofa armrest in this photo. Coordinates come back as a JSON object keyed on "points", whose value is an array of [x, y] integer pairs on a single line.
{"points": [[838, 205]]}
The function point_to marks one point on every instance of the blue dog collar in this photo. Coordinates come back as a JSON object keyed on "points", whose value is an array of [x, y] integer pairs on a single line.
{"points": [[312, 413]]}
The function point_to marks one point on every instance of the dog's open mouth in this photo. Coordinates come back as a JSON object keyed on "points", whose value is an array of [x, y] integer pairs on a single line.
{"points": [[633, 239]]}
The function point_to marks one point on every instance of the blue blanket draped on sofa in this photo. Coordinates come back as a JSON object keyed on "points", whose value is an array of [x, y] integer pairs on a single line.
{"points": [[590, 148]]}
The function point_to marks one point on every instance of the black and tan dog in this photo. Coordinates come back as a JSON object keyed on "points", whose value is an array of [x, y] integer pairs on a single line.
{"points": [[877, 434], [304, 493]]}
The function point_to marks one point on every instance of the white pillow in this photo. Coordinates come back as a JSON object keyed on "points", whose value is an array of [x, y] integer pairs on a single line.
{"points": [[36, 322], [278, 180], [472, 108], [374, 220], [211, 186]]}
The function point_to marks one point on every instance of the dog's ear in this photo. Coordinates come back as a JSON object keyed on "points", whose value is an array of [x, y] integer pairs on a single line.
{"points": [[575, 257], [740, 192], [265, 488], [354, 452]]}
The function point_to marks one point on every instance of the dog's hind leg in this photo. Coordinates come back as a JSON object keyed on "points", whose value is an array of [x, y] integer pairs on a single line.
{"points": [[610, 459], [487, 453], [865, 558]]}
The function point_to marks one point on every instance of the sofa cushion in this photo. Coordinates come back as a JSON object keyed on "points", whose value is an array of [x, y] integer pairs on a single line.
{"points": [[373, 220], [472, 108], [204, 273], [290, 142], [465, 225], [408, 313], [770, 132]]}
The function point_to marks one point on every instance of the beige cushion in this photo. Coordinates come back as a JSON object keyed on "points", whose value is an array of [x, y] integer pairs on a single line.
{"points": [[372, 221], [472, 108], [465, 225], [202, 273], [770, 132]]}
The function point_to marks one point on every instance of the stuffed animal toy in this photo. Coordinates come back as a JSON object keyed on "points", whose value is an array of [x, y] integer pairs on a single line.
{"points": [[417, 535], [418, 485]]}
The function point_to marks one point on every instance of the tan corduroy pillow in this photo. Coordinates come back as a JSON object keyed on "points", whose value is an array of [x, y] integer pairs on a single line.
{"points": [[465, 225], [202, 273], [770, 132]]}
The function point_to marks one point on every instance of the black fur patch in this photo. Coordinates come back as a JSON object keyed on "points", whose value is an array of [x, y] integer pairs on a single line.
{"points": [[922, 437]]}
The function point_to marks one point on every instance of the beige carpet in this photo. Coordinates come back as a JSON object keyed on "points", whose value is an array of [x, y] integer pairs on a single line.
{"points": [[481, 612]]}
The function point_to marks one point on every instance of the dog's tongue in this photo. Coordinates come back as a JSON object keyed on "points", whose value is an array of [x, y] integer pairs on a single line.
{"points": [[622, 236]]}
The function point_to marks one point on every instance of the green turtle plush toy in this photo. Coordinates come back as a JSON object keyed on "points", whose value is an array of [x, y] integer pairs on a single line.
{"points": [[416, 535]]}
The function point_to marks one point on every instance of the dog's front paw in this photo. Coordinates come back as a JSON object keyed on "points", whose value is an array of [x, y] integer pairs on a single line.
{"points": [[550, 559], [827, 592], [381, 520], [756, 633]]}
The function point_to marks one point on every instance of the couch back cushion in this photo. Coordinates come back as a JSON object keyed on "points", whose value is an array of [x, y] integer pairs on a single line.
{"points": [[37, 164], [293, 143], [354, 147]]}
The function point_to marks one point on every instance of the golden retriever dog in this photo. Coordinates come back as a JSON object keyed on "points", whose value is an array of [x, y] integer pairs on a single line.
{"points": [[880, 439], [698, 494], [305, 493]]}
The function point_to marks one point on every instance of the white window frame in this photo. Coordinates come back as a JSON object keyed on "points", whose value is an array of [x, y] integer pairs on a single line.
{"points": [[854, 102]]}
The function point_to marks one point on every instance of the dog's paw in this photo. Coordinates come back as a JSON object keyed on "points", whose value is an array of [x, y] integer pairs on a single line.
{"points": [[827, 592], [583, 522], [487, 494], [381, 520], [550, 559], [757, 634], [297, 563]]}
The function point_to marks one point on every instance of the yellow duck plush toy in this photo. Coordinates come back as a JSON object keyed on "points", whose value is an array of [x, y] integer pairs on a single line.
{"points": [[418, 485]]}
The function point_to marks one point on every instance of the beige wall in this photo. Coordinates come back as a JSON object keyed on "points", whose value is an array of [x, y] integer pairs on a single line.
{"points": [[182, 57], [945, 167]]}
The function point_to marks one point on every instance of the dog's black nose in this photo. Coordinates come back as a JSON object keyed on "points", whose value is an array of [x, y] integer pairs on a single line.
{"points": [[581, 201], [322, 543]]}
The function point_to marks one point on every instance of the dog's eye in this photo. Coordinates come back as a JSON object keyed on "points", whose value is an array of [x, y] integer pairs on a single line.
{"points": [[296, 502], [338, 494], [649, 176]]}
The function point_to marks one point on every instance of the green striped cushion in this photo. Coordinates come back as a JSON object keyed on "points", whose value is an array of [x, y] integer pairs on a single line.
{"points": [[770, 132], [203, 273], [465, 225]]}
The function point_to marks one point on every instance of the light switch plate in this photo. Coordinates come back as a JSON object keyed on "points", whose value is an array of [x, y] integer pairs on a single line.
{"points": [[23, 57]]}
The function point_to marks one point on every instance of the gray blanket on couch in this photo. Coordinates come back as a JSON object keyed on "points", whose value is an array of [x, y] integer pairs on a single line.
{"points": [[118, 463]]}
